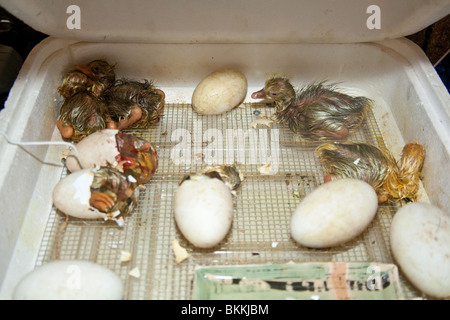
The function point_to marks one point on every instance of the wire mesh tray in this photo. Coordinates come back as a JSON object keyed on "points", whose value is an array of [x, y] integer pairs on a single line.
{"points": [[263, 205]]}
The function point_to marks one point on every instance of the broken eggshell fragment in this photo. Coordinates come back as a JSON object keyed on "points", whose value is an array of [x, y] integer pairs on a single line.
{"points": [[113, 148], [230, 175], [97, 193]]}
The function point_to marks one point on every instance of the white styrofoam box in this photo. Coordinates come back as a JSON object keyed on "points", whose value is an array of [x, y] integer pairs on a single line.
{"points": [[176, 43], [411, 105], [231, 21]]}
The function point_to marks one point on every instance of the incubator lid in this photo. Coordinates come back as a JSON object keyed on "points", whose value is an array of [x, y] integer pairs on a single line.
{"points": [[228, 21]]}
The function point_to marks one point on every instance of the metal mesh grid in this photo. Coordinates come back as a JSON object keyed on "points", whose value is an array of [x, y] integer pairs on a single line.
{"points": [[262, 207]]}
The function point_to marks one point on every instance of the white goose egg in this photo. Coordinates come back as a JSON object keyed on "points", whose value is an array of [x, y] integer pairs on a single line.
{"points": [[334, 213], [69, 280], [219, 92], [420, 242]]}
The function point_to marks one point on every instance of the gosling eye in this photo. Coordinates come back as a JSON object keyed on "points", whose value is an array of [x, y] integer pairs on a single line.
{"points": [[273, 94], [95, 69]]}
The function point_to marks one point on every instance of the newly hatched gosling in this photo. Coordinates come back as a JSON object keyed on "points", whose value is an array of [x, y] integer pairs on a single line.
{"points": [[376, 167], [319, 111]]}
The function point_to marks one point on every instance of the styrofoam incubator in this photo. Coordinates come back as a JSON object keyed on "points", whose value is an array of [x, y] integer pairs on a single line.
{"points": [[356, 44]]}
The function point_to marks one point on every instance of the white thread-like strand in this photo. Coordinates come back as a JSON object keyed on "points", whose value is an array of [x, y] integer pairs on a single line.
{"points": [[41, 143]]}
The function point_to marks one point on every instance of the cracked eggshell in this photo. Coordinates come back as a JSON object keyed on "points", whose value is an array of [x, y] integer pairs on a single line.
{"points": [[420, 242], [71, 195], [97, 149], [219, 92], [334, 213], [69, 280], [204, 211]]}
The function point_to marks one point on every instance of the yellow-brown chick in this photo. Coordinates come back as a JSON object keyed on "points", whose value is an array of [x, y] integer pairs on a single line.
{"points": [[376, 167], [74, 82], [317, 111], [134, 104], [100, 73], [81, 115], [94, 77], [84, 111], [405, 184]]}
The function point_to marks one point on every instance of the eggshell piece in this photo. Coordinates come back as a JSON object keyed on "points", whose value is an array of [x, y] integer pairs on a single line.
{"points": [[69, 280], [219, 92], [334, 213], [420, 242], [204, 211], [97, 149], [71, 195]]}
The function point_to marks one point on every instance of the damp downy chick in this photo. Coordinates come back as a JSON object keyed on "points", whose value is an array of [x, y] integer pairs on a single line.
{"points": [[318, 111], [94, 77], [74, 82], [81, 115], [134, 104], [83, 110], [376, 167]]}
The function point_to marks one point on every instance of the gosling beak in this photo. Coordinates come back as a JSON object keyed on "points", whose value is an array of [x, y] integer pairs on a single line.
{"points": [[84, 69], [162, 94], [261, 94]]}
